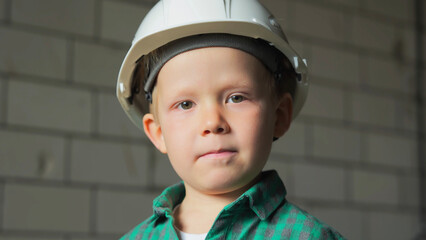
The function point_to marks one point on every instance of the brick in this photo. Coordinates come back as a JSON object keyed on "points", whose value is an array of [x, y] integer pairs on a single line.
{"points": [[407, 114], [293, 142], [408, 41], [337, 143], [49, 107], [46, 208], [107, 162], [118, 212], [322, 22], [410, 190], [349, 3], [324, 102], [374, 110], [389, 75], [384, 225], [335, 65], [27, 238], [113, 119], [121, 20], [347, 222], [43, 156], [319, 182], [97, 65], [400, 10], [392, 150], [285, 171], [165, 175], [375, 187], [372, 34], [33, 54], [2, 9], [71, 16]]}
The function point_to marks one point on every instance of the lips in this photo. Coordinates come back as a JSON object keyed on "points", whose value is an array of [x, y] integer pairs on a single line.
{"points": [[221, 153]]}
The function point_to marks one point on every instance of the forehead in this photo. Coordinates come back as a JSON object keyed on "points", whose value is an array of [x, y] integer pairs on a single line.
{"points": [[211, 64]]}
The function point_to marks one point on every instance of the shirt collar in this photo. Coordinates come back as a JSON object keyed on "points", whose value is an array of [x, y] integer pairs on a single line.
{"points": [[262, 198]]}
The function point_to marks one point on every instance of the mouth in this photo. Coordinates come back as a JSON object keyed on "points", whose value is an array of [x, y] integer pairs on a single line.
{"points": [[218, 154]]}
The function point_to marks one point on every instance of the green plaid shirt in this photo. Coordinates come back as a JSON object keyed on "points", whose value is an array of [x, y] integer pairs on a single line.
{"points": [[262, 212]]}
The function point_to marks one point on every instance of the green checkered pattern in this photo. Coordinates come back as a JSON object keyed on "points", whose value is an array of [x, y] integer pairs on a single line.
{"points": [[262, 212]]}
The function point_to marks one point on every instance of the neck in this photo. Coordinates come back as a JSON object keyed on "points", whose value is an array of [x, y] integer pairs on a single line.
{"points": [[198, 210]]}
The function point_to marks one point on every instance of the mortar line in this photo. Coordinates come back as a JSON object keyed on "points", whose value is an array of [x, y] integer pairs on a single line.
{"points": [[94, 115], [67, 160], [4, 100], [93, 211], [70, 51], [2, 203]]}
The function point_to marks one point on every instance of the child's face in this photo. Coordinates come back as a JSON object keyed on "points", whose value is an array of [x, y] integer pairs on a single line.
{"points": [[215, 117]]}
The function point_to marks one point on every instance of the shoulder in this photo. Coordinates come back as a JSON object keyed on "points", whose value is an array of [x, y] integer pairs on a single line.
{"points": [[145, 230], [298, 222]]}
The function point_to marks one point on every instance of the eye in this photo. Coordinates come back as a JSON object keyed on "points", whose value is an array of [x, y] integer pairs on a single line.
{"points": [[236, 99], [185, 105]]}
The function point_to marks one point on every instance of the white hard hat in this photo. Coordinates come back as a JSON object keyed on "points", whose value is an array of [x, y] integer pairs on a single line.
{"points": [[170, 20]]}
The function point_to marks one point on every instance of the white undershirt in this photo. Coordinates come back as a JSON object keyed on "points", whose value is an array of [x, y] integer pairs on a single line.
{"points": [[188, 236]]}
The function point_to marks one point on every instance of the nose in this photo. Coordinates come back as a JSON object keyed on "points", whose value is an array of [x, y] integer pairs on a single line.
{"points": [[214, 121]]}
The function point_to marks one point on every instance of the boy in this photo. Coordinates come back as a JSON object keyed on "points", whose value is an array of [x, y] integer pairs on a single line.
{"points": [[221, 83]]}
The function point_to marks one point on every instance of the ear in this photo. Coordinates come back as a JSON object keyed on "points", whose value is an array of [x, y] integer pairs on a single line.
{"points": [[284, 114], [153, 131]]}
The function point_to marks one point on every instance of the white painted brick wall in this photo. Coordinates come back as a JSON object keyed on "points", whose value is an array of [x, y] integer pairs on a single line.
{"points": [[75, 16], [336, 143], [58, 65], [349, 222], [334, 65], [375, 187], [46, 208], [402, 10], [392, 150], [322, 22], [108, 162], [113, 120], [164, 174], [97, 65], [29, 53], [31, 155], [293, 142], [324, 102], [389, 75], [118, 212], [45, 106], [374, 109], [120, 20], [372, 34], [396, 225], [319, 182]]}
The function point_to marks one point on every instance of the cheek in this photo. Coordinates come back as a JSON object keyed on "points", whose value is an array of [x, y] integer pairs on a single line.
{"points": [[256, 127]]}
